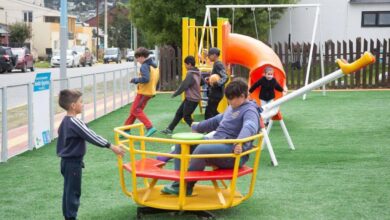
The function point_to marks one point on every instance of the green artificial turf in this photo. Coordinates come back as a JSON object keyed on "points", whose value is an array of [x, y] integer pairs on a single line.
{"points": [[339, 170]]}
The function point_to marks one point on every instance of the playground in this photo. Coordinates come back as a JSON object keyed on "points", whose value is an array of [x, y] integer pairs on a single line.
{"points": [[320, 157], [339, 169]]}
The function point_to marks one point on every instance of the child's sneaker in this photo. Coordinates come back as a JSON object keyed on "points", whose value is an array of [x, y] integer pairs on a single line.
{"points": [[150, 132], [174, 190], [167, 131]]}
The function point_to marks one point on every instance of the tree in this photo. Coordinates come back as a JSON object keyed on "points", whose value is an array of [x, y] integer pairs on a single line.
{"points": [[19, 33], [160, 20], [119, 29]]}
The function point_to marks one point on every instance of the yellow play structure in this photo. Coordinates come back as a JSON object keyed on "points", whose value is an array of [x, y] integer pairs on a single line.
{"points": [[196, 41], [142, 166]]}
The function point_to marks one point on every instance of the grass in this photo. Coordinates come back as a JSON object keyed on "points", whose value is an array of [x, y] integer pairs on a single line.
{"points": [[42, 64], [339, 170]]}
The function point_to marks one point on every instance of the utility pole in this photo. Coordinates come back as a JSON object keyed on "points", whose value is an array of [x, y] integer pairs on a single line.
{"points": [[97, 30], [63, 42], [105, 24]]}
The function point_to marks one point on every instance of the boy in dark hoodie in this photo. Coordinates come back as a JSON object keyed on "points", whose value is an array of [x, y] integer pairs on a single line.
{"points": [[215, 91], [191, 87], [146, 89]]}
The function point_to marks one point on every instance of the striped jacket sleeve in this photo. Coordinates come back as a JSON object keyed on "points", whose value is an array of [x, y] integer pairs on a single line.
{"points": [[87, 134]]}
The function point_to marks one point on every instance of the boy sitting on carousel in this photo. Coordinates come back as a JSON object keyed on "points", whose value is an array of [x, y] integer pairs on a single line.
{"points": [[240, 120]]}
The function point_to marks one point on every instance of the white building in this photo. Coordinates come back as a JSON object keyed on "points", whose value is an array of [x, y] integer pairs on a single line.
{"points": [[339, 20]]}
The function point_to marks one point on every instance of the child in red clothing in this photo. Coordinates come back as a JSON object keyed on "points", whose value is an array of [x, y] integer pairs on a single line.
{"points": [[146, 89]]}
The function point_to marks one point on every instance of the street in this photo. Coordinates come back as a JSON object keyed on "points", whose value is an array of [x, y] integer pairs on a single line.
{"points": [[17, 95]]}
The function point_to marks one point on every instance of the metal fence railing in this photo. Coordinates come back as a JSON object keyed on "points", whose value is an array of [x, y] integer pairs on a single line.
{"points": [[103, 92]]}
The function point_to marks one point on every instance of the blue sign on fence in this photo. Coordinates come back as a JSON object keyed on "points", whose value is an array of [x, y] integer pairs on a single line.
{"points": [[42, 81], [41, 111]]}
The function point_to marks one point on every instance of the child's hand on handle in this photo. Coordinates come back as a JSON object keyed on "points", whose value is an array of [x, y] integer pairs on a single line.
{"points": [[285, 90], [237, 149], [117, 150]]}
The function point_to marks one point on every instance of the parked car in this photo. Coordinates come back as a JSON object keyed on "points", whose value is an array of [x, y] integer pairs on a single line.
{"points": [[86, 57], [72, 59], [7, 59], [112, 54], [25, 59], [130, 55]]}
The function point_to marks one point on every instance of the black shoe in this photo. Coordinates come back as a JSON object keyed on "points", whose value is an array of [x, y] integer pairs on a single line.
{"points": [[167, 131]]}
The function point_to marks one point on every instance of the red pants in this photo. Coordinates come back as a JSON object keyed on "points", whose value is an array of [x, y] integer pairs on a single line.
{"points": [[137, 111]]}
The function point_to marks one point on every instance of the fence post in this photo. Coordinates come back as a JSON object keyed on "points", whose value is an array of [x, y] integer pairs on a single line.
{"points": [[51, 109], [346, 58], [365, 48], [384, 61], [114, 91], [4, 136], [388, 63], [105, 92], [30, 116], [376, 65], [338, 55], [358, 52], [82, 91], [120, 80], [128, 84], [352, 83], [94, 96]]}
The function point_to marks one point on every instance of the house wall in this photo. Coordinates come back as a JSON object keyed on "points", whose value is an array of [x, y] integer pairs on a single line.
{"points": [[339, 20], [40, 37], [44, 35], [83, 36], [15, 8]]}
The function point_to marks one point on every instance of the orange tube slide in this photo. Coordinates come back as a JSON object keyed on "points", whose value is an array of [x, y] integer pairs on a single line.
{"points": [[252, 54]]}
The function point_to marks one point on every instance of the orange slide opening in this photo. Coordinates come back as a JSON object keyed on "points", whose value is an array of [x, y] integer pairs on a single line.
{"points": [[254, 55]]}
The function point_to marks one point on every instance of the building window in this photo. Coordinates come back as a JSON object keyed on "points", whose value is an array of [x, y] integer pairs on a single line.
{"points": [[52, 19], [376, 19], [27, 16]]}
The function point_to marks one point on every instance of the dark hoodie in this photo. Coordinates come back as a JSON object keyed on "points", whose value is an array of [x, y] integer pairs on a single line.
{"points": [[191, 85], [145, 71]]}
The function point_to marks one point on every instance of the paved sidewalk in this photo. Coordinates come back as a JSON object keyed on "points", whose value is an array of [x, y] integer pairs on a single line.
{"points": [[18, 137]]}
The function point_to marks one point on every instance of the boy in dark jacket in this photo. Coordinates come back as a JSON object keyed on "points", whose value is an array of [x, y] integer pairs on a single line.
{"points": [[215, 92], [71, 147], [191, 87]]}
